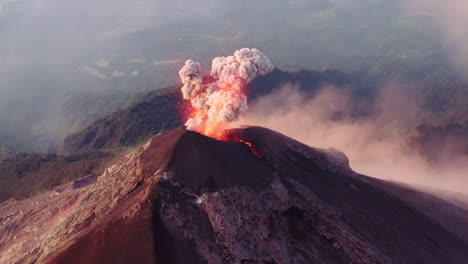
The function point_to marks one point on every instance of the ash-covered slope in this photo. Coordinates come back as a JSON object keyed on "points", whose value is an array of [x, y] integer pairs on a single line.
{"points": [[187, 198]]}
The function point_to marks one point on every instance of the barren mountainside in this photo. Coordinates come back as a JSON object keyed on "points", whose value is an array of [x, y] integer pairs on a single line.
{"points": [[187, 198], [28, 174]]}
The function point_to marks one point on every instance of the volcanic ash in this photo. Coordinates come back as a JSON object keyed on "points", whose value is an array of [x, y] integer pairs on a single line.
{"points": [[221, 97]]}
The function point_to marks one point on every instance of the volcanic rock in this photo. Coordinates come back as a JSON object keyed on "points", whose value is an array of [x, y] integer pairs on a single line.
{"points": [[27, 174], [187, 198]]}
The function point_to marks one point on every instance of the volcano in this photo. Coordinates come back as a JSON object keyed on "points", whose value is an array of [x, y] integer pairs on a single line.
{"points": [[258, 197]]}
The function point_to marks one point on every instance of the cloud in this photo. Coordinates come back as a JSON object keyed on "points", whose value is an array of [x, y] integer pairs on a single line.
{"points": [[138, 60], [222, 99], [93, 72], [449, 20], [166, 62], [374, 143], [117, 74], [103, 63]]}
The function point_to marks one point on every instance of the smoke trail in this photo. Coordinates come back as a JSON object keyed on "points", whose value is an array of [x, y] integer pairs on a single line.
{"points": [[220, 97], [374, 143]]}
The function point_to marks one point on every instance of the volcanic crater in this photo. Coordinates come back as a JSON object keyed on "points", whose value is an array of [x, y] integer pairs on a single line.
{"points": [[259, 198]]}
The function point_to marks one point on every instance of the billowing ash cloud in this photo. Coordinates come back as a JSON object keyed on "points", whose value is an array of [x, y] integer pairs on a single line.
{"points": [[221, 98]]}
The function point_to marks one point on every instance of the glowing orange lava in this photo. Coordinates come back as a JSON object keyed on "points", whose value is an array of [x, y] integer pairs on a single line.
{"points": [[209, 126], [252, 147], [213, 128]]}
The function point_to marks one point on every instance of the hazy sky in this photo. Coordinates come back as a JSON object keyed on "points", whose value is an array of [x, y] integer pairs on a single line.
{"points": [[64, 63]]}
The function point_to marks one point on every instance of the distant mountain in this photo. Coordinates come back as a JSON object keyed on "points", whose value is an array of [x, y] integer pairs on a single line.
{"points": [[163, 109], [186, 198], [153, 113], [123, 49]]}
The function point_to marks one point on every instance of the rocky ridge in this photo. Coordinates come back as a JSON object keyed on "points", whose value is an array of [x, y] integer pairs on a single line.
{"points": [[187, 198]]}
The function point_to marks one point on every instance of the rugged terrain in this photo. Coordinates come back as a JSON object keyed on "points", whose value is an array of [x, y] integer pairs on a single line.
{"points": [[27, 174], [163, 109], [187, 198]]}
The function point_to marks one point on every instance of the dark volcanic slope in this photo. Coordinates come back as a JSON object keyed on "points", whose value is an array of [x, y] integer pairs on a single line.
{"points": [[186, 198], [161, 110], [151, 114], [306, 205], [452, 215]]}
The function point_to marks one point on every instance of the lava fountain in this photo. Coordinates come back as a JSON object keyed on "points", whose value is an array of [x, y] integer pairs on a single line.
{"points": [[220, 98]]}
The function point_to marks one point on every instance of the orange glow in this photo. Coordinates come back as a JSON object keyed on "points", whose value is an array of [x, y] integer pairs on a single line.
{"points": [[250, 145], [214, 128]]}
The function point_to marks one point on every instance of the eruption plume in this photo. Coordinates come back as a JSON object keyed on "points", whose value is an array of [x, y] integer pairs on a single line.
{"points": [[220, 97]]}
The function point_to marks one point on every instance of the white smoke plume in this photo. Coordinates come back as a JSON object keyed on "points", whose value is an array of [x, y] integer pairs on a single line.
{"points": [[221, 99]]}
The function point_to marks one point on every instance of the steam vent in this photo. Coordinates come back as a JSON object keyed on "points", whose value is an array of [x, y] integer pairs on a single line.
{"points": [[260, 198]]}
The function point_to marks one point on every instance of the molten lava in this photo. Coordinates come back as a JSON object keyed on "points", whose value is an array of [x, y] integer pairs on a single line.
{"points": [[252, 147], [223, 135], [220, 98], [211, 120]]}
